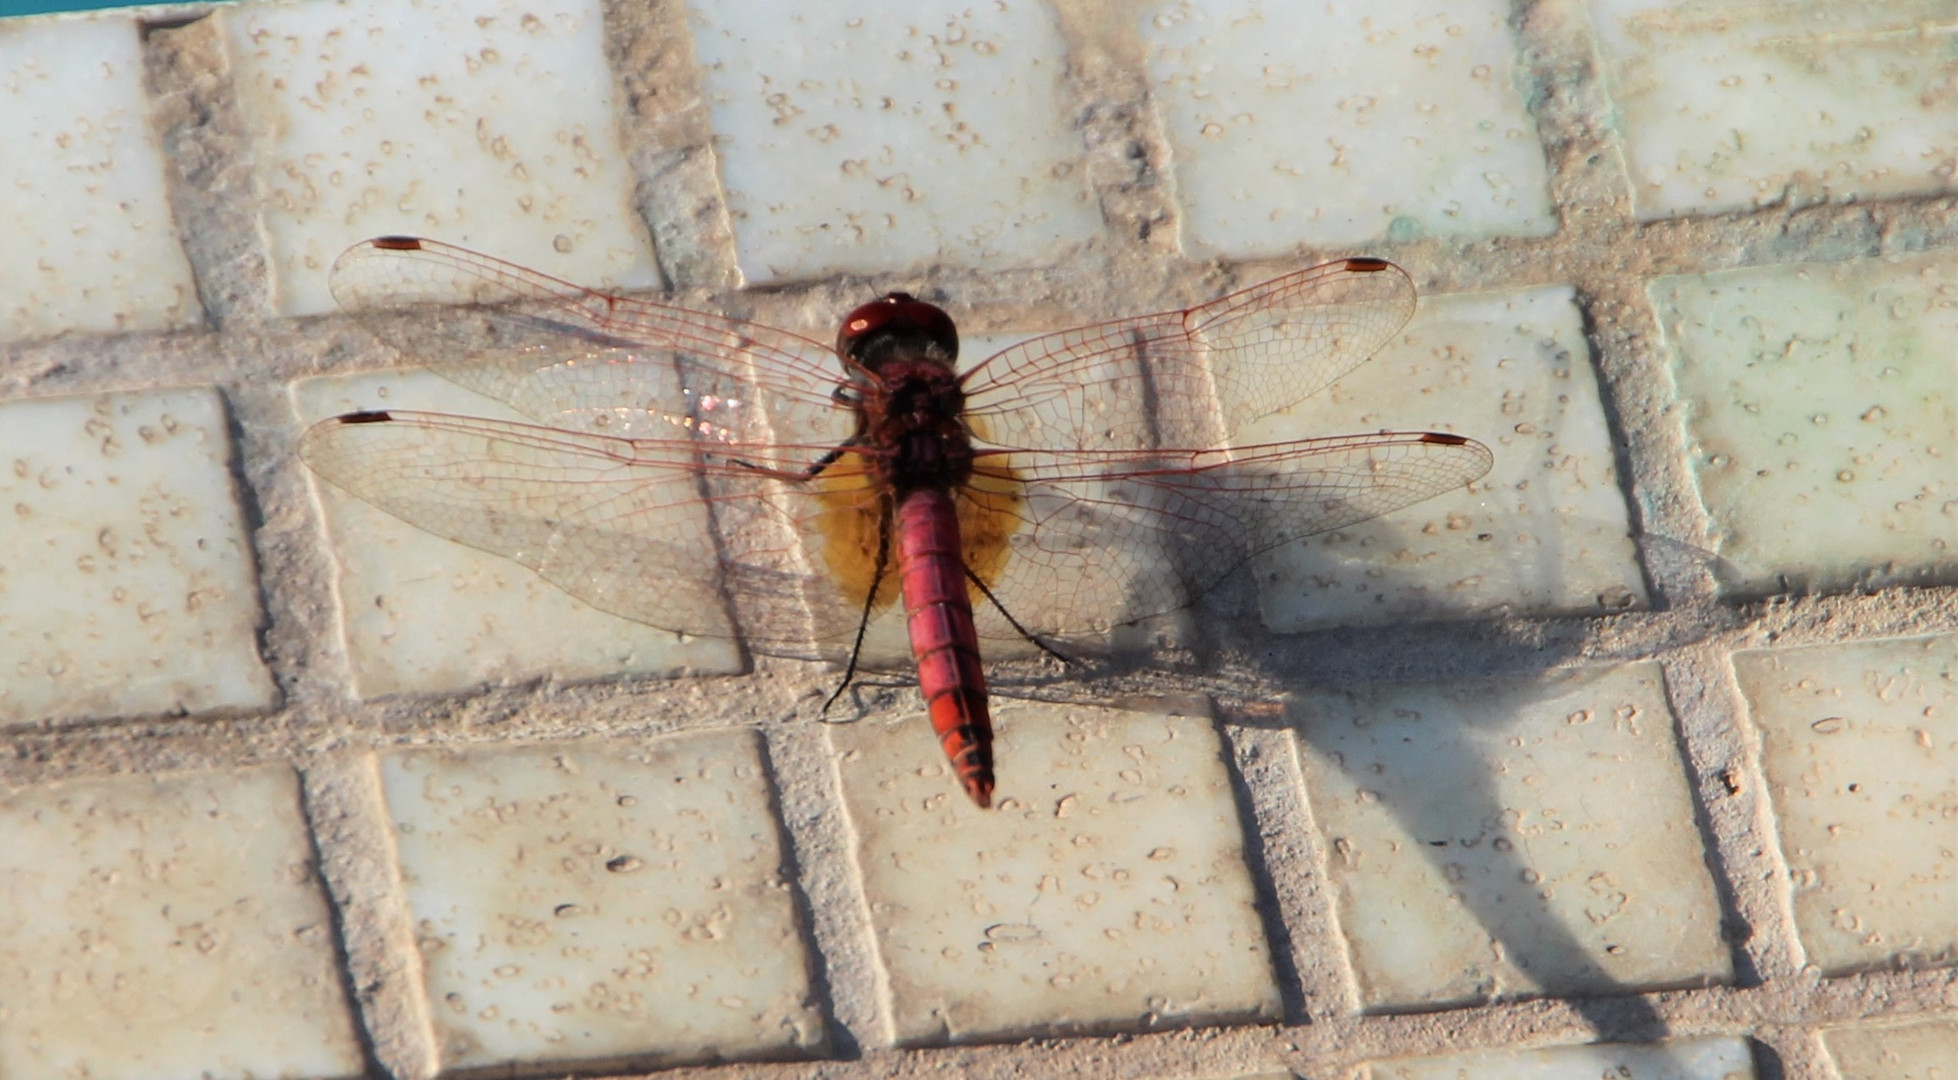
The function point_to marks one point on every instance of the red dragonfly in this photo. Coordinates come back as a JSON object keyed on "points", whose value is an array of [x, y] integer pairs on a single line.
{"points": [[710, 476]]}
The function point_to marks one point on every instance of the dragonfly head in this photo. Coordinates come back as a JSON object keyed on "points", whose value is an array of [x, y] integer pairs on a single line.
{"points": [[898, 324]]}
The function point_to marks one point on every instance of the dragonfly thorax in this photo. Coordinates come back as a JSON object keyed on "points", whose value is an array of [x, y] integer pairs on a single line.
{"points": [[912, 415]]}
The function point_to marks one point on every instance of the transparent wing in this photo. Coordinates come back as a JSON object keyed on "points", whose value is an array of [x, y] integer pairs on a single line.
{"points": [[586, 360], [673, 483], [1189, 378], [1108, 538], [671, 533]]}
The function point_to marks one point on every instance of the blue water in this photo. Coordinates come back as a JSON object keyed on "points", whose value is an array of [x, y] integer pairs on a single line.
{"points": [[42, 7]]}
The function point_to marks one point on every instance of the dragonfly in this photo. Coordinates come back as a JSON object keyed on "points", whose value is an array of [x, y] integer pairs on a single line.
{"points": [[715, 477]]}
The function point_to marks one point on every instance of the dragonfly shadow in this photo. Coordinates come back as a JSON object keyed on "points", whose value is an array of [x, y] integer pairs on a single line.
{"points": [[1442, 788], [1372, 712], [1479, 847]]}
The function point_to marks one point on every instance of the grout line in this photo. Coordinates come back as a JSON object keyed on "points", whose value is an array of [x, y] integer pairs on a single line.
{"points": [[206, 150], [669, 143], [348, 819], [1287, 859], [1721, 752], [835, 911]]}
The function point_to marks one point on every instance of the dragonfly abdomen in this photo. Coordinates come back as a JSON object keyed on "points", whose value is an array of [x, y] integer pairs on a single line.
{"points": [[938, 612]]}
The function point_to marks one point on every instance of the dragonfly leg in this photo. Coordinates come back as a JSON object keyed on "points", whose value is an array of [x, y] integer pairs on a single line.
{"points": [[1024, 632], [870, 598], [826, 461]]}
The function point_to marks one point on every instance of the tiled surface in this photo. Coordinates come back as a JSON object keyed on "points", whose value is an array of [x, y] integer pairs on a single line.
{"points": [[1341, 123], [1860, 745], [1518, 836], [127, 586], [1920, 1051], [1545, 532], [91, 246], [1821, 408], [1498, 840], [167, 926], [1685, 1059], [1730, 105], [952, 148], [1107, 890], [602, 903], [486, 122], [421, 614]]}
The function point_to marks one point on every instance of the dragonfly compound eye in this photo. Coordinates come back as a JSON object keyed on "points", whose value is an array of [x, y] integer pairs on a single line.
{"points": [[897, 318]]}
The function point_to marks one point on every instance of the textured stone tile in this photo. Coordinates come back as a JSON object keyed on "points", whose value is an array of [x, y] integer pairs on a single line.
{"points": [[91, 245], [1728, 105], [602, 903], [860, 141], [1920, 1051], [1511, 839], [1339, 123], [423, 614], [1821, 405], [1544, 533], [1721, 1058], [1860, 746], [128, 585], [490, 123], [167, 926], [1106, 891]]}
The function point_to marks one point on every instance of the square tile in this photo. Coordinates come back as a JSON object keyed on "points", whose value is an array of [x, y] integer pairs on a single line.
{"points": [[490, 123], [1545, 533], [168, 926], [1860, 746], [1106, 891], [129, 584], [893, 138], [1821, 412], [1719, 1058], [421, 614], [91, 244], [1340, 123], [1497, 840], [602, 903], [1921, 1051], [1729, 105]]}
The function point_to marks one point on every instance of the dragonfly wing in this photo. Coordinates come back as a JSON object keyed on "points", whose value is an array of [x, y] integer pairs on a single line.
{"points": [[620, 524], [1106, 539], [1193, 377], [588, 360]]}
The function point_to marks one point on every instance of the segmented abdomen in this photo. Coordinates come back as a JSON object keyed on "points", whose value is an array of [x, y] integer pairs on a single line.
{"points": [[938, 611]]}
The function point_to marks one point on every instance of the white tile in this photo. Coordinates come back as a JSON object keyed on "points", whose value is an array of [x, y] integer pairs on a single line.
{"points": [[423, 614], [1819, 408], [1544, 533], [168, 926], [1720, 1058], [1339, 123], [91, 245], [1511, 839], [892, 138], [1860, 745], [128, 585], [1106, 891], [489, 123], [602, 902], [1920, 1051], [1730, 104]]}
